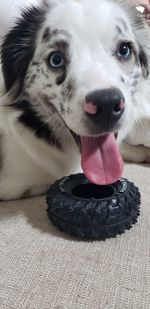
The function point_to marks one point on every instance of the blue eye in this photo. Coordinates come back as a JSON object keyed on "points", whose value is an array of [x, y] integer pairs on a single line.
{"points": [[56, 60], [124, 51]]}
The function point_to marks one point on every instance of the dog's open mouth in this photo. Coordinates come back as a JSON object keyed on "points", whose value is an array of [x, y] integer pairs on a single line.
{"points": [[100, 158]]}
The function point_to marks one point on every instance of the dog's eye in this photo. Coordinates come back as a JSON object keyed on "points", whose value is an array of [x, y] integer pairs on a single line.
{"points": [[124, 51], [56, 60]]}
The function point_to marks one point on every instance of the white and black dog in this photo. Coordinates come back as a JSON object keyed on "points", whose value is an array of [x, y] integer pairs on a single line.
{"points": [[76, 77]]}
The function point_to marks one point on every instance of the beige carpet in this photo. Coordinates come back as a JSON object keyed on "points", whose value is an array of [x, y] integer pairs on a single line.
{"points": [[41, 268]]}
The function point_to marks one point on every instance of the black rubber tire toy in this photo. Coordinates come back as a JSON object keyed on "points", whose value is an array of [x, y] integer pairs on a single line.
{"points": [[89, 211]]}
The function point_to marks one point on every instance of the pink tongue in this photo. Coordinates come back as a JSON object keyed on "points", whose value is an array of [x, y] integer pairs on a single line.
{"points": [[101, 159]]}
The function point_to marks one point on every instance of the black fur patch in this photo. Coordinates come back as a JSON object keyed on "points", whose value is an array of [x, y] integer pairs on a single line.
{"points": [[144, 62], [31, 120], [122, 79], [46, 35], [61, 78], [70, 89], [61, 45], [19, 45]]}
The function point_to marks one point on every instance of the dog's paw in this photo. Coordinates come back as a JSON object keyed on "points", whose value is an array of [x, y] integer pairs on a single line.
{"points": [[21, 193], [136, 154]]}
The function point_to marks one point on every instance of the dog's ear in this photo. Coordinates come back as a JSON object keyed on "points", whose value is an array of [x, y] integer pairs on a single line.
{"points": [[19, 44]]}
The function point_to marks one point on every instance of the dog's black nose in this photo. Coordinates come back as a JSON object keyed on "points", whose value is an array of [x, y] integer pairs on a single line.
{"points": [[105, 107]]}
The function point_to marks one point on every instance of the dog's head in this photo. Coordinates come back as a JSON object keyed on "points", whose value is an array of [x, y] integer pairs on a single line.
{"points": [[81, 59]]}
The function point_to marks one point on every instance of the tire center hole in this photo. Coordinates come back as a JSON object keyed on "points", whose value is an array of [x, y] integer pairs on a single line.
{"points": [[88, 191]]}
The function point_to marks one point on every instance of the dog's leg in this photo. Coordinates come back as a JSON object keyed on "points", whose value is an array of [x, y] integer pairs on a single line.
{"points": [[19, 193], [137, 154], [35, 191]]}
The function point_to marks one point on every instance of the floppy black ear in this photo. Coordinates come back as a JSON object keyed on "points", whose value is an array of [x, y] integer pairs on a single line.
{"points": [[19, 44]]}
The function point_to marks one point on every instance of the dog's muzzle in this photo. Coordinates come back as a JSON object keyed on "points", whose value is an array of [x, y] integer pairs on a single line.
{"points": [[105, 107]]}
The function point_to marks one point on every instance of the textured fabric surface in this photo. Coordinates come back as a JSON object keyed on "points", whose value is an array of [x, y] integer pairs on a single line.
{"points": [[41, 268]]}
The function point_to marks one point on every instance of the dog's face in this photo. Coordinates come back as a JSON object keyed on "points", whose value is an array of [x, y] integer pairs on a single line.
{"points": [[86, 65], [79, 64], [81, 55]]}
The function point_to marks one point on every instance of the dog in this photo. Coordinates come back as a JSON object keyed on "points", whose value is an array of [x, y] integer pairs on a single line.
{"points": [[76, 81]]}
